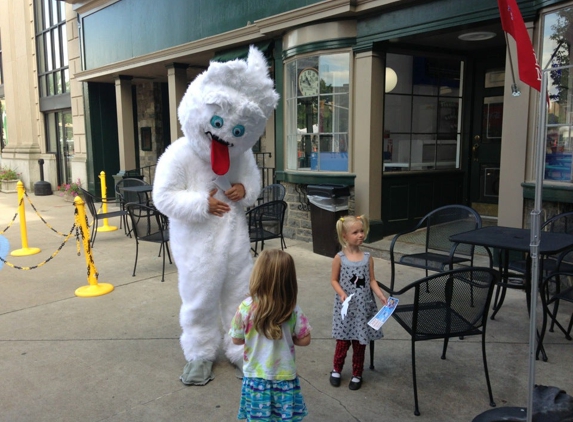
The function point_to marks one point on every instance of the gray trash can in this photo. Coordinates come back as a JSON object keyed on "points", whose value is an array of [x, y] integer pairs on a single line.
{"points": [[328, 203]]}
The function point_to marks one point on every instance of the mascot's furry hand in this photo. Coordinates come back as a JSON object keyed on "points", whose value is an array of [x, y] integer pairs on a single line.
{"points": [[203, 183]]}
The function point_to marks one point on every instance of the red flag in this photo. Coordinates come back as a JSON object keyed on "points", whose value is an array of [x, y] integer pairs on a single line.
{"points": [[512, 23]]}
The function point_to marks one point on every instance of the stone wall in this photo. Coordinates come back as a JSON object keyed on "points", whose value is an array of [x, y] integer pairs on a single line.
{"points": [[548, 210], [298, 221], [149, 114]]}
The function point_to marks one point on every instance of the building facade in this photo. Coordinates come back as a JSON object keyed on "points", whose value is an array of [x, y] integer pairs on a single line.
{"points": [[413, 104]]}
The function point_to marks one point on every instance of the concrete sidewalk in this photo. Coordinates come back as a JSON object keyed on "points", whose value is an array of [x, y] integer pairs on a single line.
{"points": [[117, 357]]}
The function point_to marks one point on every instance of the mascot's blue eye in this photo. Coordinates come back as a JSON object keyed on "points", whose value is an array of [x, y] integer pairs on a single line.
{"points": [[238, 131], [217, 121]]}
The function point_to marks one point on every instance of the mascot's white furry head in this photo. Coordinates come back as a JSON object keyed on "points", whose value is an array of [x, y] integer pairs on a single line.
{"points": [[225, 109]]}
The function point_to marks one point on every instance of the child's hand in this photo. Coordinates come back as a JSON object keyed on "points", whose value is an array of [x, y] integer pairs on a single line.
{"points": [[304, 341], [382, 298], [343, 297]]}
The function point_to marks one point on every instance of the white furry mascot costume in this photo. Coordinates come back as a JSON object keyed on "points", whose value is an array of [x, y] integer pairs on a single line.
{"points": [[203, 182]]}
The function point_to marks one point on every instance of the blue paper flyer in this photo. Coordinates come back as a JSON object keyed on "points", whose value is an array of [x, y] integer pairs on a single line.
{"points": [[384, 313]]}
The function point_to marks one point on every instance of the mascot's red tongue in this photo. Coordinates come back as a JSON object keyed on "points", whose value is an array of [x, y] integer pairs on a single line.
{"points": [[220, 161]]}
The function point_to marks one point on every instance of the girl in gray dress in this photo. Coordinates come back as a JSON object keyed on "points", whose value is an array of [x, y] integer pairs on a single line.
{"points": [[353, 279]]}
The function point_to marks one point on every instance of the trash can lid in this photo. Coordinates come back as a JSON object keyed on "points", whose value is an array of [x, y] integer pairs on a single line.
{"points": [[328, 190]]}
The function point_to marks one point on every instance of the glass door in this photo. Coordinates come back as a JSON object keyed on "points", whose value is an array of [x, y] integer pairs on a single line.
{"points": [[59, 137]]}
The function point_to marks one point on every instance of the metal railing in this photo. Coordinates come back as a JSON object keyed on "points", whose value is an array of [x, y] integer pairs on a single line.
{"points": [[147, 173], [267, 173]]}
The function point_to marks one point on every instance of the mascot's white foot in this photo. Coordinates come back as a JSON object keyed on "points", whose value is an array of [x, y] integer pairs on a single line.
{"points": [[197, 372]]}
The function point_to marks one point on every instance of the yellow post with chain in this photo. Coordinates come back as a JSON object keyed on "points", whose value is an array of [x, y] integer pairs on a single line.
{"points": [[93, 288], [106, 227], [25, 250]]}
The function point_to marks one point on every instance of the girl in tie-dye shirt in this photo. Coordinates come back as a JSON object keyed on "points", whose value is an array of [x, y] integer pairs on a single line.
{"points": [[270, 323]]}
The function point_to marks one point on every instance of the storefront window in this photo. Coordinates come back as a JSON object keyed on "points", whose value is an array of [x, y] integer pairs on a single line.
{"points": [[52, 47], [317, 99], [422, 113], [3, 125], [557, 39], [3, 133], [1, 72]]}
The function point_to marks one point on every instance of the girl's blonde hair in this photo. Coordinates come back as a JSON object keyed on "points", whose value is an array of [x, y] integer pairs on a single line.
{"points": [[274, 290], [345, 222]]}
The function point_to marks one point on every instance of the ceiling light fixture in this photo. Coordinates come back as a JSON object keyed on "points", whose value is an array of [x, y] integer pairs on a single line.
{"points": [[391, 79], [477, 36]]}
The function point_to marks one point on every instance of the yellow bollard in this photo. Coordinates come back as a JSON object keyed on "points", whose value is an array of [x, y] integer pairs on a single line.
{"points": [[106, 227], [93, 288], [25, 250]]}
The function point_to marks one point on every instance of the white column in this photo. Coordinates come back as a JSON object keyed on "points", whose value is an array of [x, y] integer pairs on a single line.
{"points": [[518, 131], [177, 83], [125, 129], [367, 139]]}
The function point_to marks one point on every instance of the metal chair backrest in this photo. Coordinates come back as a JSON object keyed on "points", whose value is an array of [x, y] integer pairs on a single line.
{"points": [[446, 221], [560, 223], [460, 301], [89, 201], [266, 222], [274, 192], [148, 224], [126, 197]]}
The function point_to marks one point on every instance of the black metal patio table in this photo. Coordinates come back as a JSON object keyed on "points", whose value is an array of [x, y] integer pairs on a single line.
{"points": [[506, 239], [142, 191]]}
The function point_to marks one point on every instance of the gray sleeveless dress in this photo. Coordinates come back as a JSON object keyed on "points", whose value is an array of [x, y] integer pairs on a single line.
{"points": [[355, 278]]}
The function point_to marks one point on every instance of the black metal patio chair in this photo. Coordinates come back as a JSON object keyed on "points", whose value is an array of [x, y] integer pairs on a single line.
{"points": [[90, 201], [126, 197], [266, 222], [433, 232], [560, 223], [149, 225], [554, 289], [445, 305], [273, 192]]}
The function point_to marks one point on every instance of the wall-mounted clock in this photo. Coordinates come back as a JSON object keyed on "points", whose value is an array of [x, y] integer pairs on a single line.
{"points": [[308, 82]]}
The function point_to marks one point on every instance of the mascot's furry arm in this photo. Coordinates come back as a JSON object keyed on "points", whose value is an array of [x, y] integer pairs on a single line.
{"points": [[181, 193]]}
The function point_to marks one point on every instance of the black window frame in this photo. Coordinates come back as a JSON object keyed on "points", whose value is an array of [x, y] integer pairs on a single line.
{"points": [[50, 25]]}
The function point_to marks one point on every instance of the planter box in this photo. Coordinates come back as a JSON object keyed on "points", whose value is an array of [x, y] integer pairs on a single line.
{"points": [[9, 186]]}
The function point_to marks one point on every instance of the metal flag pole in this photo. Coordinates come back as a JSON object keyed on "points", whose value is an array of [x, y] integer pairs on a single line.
{"points": [[535, 239], [514, 88], [536, 224]]}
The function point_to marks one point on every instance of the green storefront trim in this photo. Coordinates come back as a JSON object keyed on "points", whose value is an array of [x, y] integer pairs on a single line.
{"points": [[315, 178], [553, 193], [319, 45], [242, 52], [431, 16]]}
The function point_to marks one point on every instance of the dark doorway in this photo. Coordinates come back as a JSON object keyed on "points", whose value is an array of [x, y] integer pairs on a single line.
{"points": [[485, 133]]}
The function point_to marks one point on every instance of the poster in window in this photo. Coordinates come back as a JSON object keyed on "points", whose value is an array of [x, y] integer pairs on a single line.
{"points": [[146, 138]]}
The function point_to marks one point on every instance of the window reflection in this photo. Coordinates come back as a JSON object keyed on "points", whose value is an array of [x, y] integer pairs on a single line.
{"points": [[422, 114], [317, 98], [557, 39]]}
